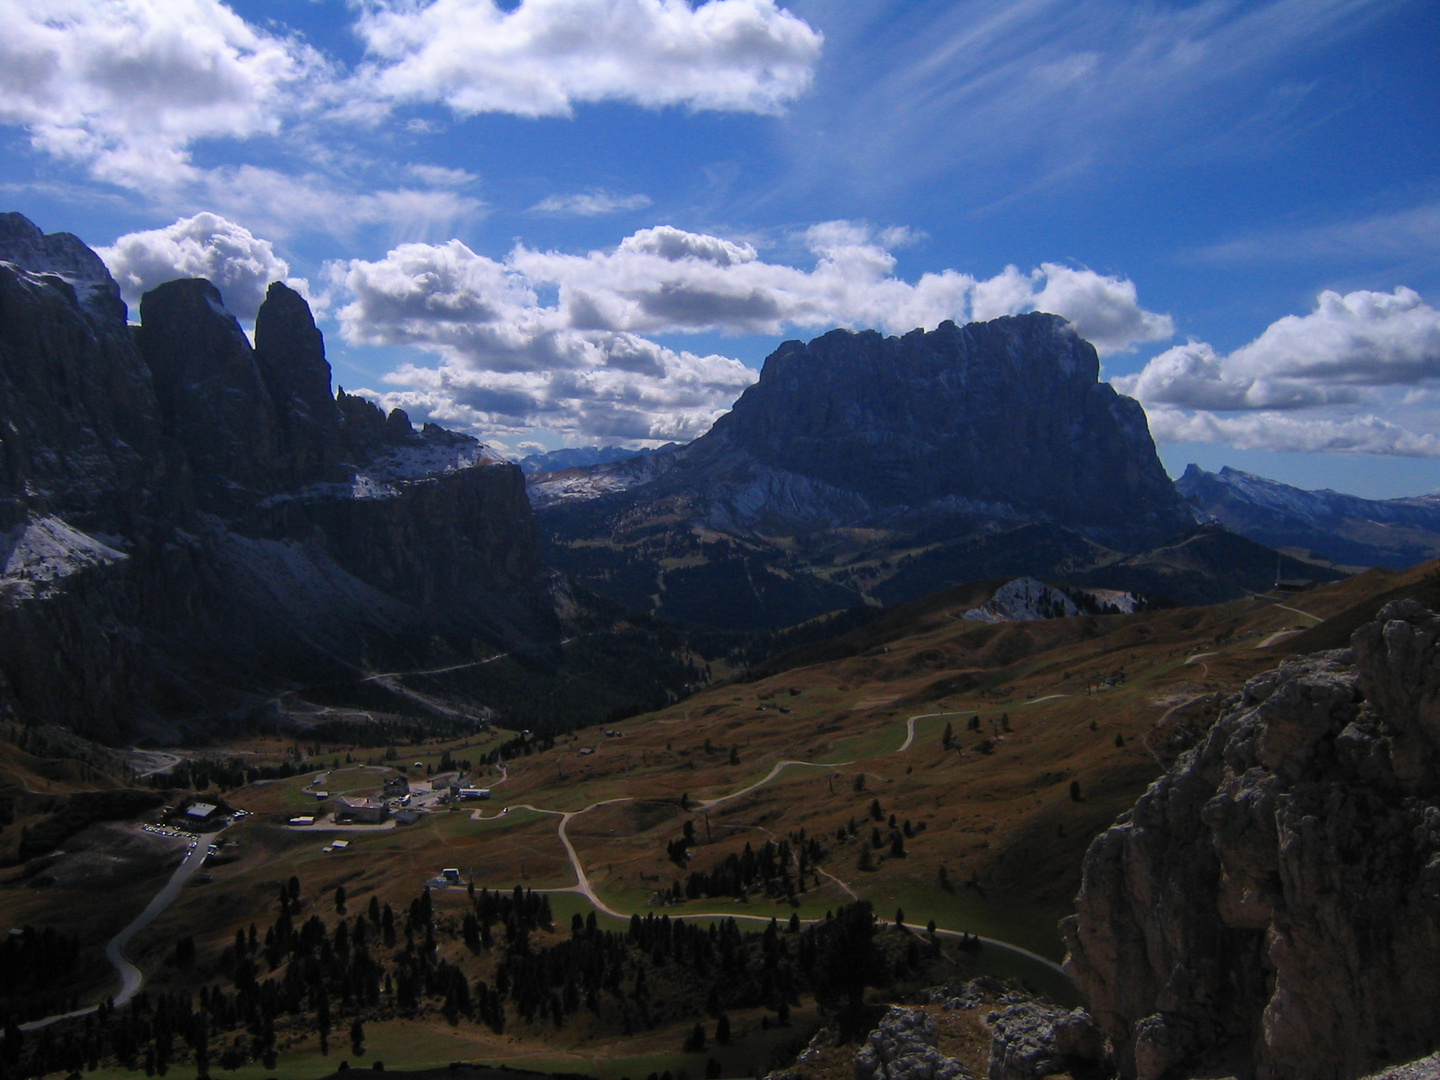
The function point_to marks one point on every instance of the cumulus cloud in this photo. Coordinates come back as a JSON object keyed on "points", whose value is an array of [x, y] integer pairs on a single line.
{"points": [[507, 363], [1287, 432], [238, 263], [1348, 343], [665, 280], [542, 57], [589, 204], [126, 87], [584, 365]]}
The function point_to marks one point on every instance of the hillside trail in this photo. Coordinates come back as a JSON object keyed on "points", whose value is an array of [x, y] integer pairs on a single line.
{"points": [[584, 888]]}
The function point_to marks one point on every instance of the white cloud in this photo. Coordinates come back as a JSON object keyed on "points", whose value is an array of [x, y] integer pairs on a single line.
{"points": [[126, 87], [1286, 432], [544, 56], [1370, 338], [1105, 310], [581, 365], [283, 204], [239, 264], [508, 364], [440, 176], [1410, 233], [1362, 339], [665, 279], [590, 204]]}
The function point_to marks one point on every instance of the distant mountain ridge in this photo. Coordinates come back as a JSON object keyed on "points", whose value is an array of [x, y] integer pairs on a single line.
{"points": [[577, 457], [862, 469], [1344, 529], [1002, 421]]}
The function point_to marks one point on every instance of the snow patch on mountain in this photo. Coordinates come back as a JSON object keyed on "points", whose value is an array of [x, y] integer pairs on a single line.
{"points": [[62, 255], [430, 457], [578, 457], [37, 555], [591, 482], [1028, 600]]}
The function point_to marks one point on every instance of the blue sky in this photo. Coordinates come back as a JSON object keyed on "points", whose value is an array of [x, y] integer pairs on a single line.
{"points": [[562, 222]]}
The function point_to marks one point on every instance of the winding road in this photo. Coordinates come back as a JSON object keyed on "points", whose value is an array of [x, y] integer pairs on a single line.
{"points": [[583, 887], [131, 977]]}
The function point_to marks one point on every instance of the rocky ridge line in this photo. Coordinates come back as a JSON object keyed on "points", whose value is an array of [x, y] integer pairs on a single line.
{"points": [[189, 525]]}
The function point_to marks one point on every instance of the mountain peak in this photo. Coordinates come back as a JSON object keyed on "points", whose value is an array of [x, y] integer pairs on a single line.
{"points": [[1005, 413], [65, 256]]}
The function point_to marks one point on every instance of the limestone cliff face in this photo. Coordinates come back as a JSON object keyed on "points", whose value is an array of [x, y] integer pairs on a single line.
{"points": [[1007, 413], [290, 353], [212, 399], [80, 433], [1279, 889], [189, 525], [1001, 422]]}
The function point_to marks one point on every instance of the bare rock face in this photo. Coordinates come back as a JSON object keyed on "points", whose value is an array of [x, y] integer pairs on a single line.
{"points": [[1006, 413], [1278, 890], [188, 524], [1001, 421], [212, 399], [903, 1047], [1033, 1039], [290, 354], [79, 423]]}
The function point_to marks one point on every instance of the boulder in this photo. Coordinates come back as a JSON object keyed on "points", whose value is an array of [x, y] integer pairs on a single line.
{"points": [[903, 1047], [1030, 1039]]}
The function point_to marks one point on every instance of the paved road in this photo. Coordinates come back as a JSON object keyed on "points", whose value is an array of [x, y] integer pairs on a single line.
{"points": [[131, 977]]}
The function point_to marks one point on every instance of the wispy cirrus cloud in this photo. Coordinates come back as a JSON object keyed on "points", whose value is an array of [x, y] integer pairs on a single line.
{"points": [[283, 203], [589, 204], [1397, 235], [1032, 92]]}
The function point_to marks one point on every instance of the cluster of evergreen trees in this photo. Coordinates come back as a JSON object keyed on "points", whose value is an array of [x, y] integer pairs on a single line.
{"points": [[305, 974], [778, 871], [767, 871], [36, 968]]}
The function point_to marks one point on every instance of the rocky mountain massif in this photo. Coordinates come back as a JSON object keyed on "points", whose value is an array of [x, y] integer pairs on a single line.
{"points": [[1276, 896], [1328, 525], [862, 468], [190, 526]]}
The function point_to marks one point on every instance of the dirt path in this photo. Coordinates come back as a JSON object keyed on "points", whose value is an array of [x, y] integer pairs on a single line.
{"points": [[1297, 611], [910, 727], [1279, 635], [775, 770], [583, 887]]}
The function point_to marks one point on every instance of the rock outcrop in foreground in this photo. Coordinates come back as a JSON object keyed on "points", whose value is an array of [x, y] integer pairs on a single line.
{"points": [[1277, 893], [190, 526]]}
